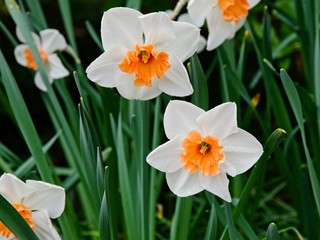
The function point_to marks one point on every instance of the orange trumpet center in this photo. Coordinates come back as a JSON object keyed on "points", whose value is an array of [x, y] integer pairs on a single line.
{"points": [[146, 63], [24, 212], [232, 10], [31, 63], [202, 154]]}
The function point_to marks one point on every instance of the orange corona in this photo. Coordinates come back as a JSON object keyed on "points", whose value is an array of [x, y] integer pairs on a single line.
{"points": [[232, 10], [202, 154], [31, 63], [24, 212], [146, 63]]}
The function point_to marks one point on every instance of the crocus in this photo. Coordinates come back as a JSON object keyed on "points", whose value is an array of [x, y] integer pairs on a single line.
{"points": [[143, 54], [48, 43], [36, 201], [203, 148], [224, 17]]}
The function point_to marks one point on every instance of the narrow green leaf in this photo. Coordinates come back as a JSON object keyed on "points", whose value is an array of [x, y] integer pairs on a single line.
{"points": [[14, 221], [94, 35], [295, 103], [37, 13], [136, 4], [181, 219], [272, 232], [200, 96]]}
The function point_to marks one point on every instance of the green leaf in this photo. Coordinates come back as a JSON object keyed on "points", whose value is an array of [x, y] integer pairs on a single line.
{"points": [[198, 78], [14, 221], [272, 232]]}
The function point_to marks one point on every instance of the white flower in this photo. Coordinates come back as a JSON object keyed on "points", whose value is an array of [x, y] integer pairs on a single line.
{"points": [[203, 148], [185, 17], [36, 201], [224, 17], [144, 54], [49, 41]]}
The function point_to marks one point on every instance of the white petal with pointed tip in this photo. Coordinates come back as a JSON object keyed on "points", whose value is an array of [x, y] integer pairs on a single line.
{"points": [[105, 70], [199, 9], [242, 150], [121, 26], [157, 28], [19, 53], [165, 158], [180, 118], [55, 68], [220, 121], [218, 185], [175, 80], [13, 189], [219, 29], [52, 40], [43, 226], [47, 197], [183, 183], [38, 81], [183, 47]]}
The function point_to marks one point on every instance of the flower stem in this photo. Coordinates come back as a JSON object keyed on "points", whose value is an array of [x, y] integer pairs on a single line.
{"points": [[231, 228], [177, 8]]}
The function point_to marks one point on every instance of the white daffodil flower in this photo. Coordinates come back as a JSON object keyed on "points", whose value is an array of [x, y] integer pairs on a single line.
{"points": [[203, 148], [36, 201], [49, 41], [144, 54], [224, 17]]}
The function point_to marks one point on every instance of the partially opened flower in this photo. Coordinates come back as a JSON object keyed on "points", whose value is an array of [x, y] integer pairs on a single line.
{"points": [[203, 148], [36, 201], [49, 41], [144, 54], [224, 17]]}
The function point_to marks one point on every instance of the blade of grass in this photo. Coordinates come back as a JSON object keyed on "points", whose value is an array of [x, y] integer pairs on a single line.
{"points": [[295, 103]]}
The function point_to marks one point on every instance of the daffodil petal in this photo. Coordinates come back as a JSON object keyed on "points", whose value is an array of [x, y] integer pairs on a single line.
{"points": [[199, 9], [176, 81], [202, 44], [183, 183], [52, 40], [157, 28], [183, 47], [218, 185], [121, 26], [13, 189], [220, 121], [180, 118], [21, 38], [55, 68], [253, 3], [38, 81], [165, 157], [219, 29], [47, 197], [242, 150], [105, 70], [19, 53], [43, 226], [129, 91]]}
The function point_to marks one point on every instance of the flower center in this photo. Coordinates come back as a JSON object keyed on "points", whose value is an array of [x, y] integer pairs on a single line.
{"points": [[146, 63], [31, 63], [202, 154], [24, 212], [232, 10]]}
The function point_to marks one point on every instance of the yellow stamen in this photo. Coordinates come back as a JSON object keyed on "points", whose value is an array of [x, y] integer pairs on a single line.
{"points": [[24, 212], [31, 63], [202, 154], [232, 10], [146, 63]]}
